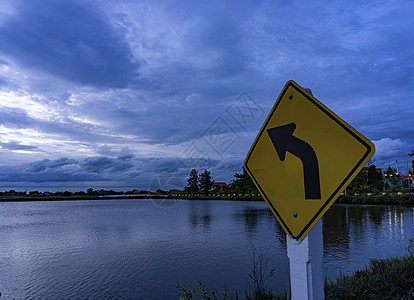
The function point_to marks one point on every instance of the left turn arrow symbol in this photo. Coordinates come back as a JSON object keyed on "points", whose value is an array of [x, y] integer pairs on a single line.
{"points": [[284, 141]]}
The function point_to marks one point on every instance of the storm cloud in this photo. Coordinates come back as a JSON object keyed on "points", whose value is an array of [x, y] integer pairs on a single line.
{"points": [[68, 39], [114, 94]]}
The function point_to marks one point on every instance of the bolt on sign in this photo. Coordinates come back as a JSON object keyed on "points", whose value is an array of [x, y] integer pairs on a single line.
{"points": [[302, 159]]}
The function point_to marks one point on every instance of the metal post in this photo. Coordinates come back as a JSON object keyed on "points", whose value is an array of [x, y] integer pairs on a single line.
{"points": [[408, 180], [306, 280]]}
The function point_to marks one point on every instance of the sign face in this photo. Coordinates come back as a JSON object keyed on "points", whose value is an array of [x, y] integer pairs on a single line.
{"points": [[302, 159]]}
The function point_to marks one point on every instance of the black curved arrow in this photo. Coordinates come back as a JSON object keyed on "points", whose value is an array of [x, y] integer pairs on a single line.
{"points": [[283, 140]]}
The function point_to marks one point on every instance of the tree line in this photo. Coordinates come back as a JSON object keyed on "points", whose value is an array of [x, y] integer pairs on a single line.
{"points": [[204, 182], [367, 181]]}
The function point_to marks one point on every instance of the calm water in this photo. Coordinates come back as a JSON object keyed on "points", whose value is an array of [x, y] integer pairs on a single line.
{"points": [[135, 249]]}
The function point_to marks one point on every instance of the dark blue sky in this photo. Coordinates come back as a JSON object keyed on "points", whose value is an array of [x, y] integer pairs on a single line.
{"points": [[128, 94]]}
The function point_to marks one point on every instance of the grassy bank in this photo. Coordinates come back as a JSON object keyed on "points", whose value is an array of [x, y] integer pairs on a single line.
{"points": [[390, 278], [395, 199], [388, 199]]}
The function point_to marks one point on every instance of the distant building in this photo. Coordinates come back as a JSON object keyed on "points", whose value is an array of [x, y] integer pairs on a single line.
{"points": [[219, 185], [365, 170]]}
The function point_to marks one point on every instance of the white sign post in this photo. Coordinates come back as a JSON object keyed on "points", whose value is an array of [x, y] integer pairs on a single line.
{"points": [[306, 280]]}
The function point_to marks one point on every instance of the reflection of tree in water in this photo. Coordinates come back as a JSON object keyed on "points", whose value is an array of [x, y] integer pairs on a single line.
{"points": [[206, 221], [250, 217], [277, 228], [375, 214], [368, 219], [340, 222], [376, 218], [335, 229], [357, 216], [199, 218], [280, 233]]}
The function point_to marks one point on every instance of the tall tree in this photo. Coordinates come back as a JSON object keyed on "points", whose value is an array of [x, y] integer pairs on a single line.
{"points": [[361, 180], [206, 181], [192, 185], [374, 178], [243, 183]]}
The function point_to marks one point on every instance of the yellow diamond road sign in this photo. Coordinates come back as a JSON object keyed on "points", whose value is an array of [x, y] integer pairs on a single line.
{"points": [[303, 158]]}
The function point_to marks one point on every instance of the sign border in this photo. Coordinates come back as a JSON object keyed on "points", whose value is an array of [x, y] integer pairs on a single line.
{"points": [[337, 120]]}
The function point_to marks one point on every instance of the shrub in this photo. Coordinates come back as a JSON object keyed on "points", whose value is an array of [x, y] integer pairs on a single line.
{"points": [[390, 278], [201, 290]]}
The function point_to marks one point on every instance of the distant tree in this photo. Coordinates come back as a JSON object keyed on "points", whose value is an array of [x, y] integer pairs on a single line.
{"points": [[134, 191], [192, 185], [243, 183], [206, 181], [67, 193], [375, 178], [360, 181]]}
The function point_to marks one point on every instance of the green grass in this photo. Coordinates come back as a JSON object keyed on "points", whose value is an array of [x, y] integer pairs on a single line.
{"points": [[407, 199], [390, 278]]}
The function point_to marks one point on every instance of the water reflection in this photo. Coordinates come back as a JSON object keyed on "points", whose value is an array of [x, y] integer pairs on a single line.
{"points": [[199, 216], [250, 218], [49, 248], [335, 226], [360, 222], [358, 233]]}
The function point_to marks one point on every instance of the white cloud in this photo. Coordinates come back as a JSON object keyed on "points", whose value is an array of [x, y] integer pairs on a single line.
{"points": [[387, 148], [393, 152]]}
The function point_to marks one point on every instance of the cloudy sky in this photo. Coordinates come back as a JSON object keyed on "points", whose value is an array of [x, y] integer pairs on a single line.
{"points": [[131, 94]]}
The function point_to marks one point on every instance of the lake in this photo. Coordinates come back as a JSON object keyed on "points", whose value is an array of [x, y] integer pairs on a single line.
{"points": [[138, 249]]}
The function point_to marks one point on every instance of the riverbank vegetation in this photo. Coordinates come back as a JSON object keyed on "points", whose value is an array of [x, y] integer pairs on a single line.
{"points": [[389, 278], [370, 186], [90, 194]]}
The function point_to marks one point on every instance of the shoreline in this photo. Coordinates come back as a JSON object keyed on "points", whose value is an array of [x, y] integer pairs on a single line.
{"points": [[405, 199], [79, 198]]}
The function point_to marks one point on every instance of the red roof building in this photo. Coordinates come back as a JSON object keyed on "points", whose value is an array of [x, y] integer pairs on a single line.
{"points": [[376, 169], [219, 184]]}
